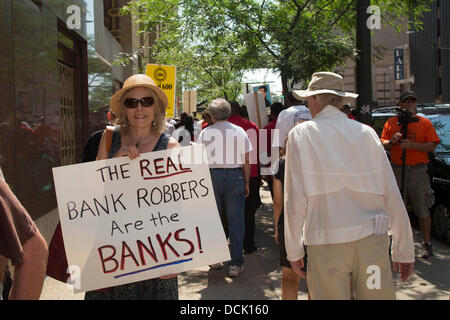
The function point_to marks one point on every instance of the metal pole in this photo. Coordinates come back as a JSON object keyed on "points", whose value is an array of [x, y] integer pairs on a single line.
{"points": [[363, 63]]}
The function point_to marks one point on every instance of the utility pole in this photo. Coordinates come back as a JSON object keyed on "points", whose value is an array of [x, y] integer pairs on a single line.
{"points": [[364, 61]]}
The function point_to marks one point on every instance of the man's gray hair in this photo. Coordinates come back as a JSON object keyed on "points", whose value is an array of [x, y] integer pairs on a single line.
{"points": [[326, 99], [220, 109]]}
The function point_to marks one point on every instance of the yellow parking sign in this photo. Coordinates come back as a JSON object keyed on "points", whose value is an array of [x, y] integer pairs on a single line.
{"points": [[165, 78]]}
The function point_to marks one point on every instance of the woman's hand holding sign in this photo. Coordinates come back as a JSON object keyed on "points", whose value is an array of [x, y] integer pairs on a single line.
{"points": [[131, 151]]}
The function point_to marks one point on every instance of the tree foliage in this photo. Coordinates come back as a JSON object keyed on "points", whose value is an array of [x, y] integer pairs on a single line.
{"points": [[212, 42]]}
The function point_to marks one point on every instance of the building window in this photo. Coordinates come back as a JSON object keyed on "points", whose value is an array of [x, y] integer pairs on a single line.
{"points": [[112, 17]]}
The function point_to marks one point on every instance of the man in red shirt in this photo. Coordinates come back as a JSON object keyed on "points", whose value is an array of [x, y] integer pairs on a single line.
{"points": [[275, 110], [421, 139], [253, 201]]}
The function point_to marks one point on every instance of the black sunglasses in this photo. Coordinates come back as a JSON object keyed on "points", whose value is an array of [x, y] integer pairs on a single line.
{"points": [[132, 103]]}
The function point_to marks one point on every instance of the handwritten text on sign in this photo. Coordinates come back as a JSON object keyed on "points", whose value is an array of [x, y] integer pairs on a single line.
{"points": [[125, 221]]}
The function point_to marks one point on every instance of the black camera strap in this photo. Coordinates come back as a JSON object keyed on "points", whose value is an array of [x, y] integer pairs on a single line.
{"points": [[405, 117], [403, 180]]}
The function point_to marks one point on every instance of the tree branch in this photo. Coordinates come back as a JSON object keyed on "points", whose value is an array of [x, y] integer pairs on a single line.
{"points": [[342, 13], [298, 15], [323, 8], [256, 32]]}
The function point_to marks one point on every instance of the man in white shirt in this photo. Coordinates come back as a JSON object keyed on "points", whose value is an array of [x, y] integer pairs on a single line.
{"points": [[340, 199], [228, 148], [295, 112]]}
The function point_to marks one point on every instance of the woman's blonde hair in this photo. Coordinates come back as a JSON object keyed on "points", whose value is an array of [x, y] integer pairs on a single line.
{"points": [[159, 119]]}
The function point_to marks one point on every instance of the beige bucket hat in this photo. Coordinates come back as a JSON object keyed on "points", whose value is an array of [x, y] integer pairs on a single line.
{"points": [[325, 82], [137, 80]]}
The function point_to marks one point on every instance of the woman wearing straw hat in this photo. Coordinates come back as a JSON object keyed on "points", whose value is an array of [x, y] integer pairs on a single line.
{"points": [[140, 108]]}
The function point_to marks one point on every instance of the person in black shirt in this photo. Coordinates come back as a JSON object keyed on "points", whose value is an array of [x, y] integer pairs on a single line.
{"points": [[290, 280]]}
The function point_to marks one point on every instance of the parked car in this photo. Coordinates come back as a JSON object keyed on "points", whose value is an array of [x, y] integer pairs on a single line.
{"points": [[380, 116], [431, 108], [439, 165], [439, 171]]}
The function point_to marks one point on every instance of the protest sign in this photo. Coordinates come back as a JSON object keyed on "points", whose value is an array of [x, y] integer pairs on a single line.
{"points": [[165, 77], [256, 108], [129, 220], [265, 90], [189, 101]]}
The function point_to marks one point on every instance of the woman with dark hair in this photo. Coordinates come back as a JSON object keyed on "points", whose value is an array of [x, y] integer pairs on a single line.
{"points": [[206, 119], [187, 123]]}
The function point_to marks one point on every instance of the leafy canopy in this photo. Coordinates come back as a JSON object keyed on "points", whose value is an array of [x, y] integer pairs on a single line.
{"points": [[212, 42]]}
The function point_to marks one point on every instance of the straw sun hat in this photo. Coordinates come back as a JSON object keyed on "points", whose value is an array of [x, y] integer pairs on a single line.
{"points": [[325, 82], [137, 80]]}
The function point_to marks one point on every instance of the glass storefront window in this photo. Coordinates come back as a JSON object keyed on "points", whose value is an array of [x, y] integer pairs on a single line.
{"points": [[56, 86], [33, 135], [100, 86]]}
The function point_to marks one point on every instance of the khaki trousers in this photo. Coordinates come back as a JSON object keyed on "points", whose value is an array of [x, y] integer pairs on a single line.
{"points": [[363, 263]]}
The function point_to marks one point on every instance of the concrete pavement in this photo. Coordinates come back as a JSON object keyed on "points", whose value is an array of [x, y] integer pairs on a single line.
{"points": [[261, 279]]}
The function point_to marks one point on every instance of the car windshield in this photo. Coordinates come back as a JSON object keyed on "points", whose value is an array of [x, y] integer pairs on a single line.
{"points": [[441, 123]]}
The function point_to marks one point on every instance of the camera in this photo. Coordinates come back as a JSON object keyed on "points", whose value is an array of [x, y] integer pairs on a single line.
{"points": [[405, 117]]}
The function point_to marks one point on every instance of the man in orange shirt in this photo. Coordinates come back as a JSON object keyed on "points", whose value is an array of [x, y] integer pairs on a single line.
{"points": [[421, 139]]}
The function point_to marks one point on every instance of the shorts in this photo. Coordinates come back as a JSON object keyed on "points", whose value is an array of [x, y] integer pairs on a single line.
{"points": [[418, 190], [284, 262]]}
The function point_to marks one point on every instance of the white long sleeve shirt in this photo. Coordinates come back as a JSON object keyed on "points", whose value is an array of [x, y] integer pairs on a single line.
{"points": [[338, 184]]}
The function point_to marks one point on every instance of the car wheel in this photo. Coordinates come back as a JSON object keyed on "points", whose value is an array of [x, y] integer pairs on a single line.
{"points": [[441, 222]]}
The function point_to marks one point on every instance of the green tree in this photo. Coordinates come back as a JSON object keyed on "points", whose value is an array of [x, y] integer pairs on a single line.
{"points": [[213, 41]]}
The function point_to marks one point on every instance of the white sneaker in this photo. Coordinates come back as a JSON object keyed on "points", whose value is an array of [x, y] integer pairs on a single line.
{"points": [[235, 271]]}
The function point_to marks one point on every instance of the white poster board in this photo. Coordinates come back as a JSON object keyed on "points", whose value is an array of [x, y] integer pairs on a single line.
{"points": [[256, 108], [189, 101], [130, 220]]}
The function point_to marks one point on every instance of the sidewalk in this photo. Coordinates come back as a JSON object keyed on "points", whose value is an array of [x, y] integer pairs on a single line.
{"points": [[261, 279]]}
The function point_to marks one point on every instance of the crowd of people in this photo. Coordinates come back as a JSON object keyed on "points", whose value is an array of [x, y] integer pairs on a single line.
{"points": [[335, 194]]}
